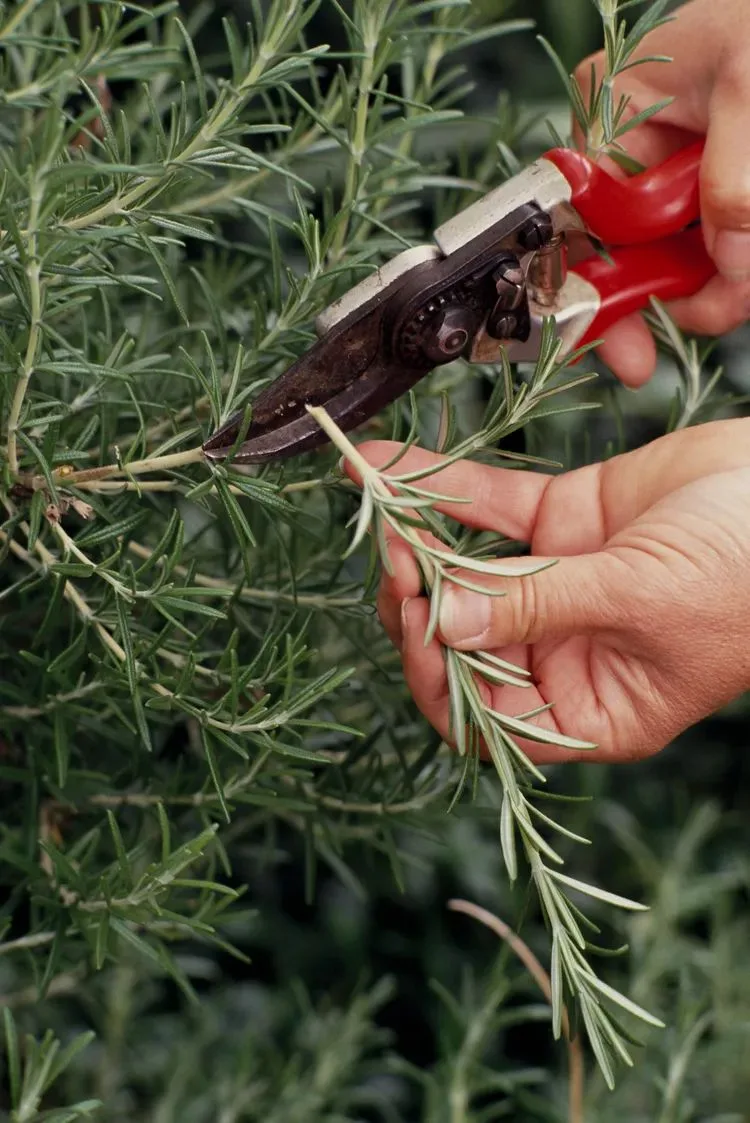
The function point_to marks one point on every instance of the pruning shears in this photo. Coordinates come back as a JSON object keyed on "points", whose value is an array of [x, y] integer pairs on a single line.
{"points": [[522, 253]]}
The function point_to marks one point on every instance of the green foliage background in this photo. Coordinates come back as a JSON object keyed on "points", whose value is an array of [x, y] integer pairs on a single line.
{"points": [[337, 986]]}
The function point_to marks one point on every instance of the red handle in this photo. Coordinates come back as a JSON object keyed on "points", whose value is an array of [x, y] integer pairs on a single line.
{"points": [[669, 269], [648, 206]]}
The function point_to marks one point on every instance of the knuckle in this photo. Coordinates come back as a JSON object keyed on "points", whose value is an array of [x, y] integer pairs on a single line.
{"points": [[640, 592], [721, 307], [523, 608], [719, 321], [732, 71], [727, 197], [725, 322]]}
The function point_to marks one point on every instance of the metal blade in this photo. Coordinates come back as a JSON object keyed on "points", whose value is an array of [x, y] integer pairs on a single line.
{"points": [[379, 385], [420, 311], [349, 372]]}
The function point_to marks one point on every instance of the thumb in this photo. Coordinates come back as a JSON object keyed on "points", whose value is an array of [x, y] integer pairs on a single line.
{"points": [[574, 596], [725, 174]]}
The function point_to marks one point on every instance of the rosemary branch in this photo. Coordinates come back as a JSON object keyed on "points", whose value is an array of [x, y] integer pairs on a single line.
{"points": [[602, 117], [33, 277], [396, 502]]}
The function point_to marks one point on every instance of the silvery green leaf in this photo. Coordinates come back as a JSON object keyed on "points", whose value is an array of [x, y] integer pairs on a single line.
{"points": [[533, 838], [556, 986], [430, 470], [521, 757], [404, 502], [558, 826], [435, 595], [500, 759], [615, 1039], [473, 587], [567, 386], [600, 894], [527, 715], [549, 894], [558, 907], [543, 736], [493, 674], [364, 518], [383, 546], [504, 664], [508, 838], [626, 1003], [493, 568], [435, 496], [591, 1017], [457, 702]]}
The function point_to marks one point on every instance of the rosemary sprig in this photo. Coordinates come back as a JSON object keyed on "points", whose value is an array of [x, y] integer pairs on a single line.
{"points": [[602, 116], [398, 504], [697, 383]]}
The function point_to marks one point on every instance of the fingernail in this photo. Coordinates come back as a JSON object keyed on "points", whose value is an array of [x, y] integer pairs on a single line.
{"points": [[731, 252], [463, 616], [405, 615]]}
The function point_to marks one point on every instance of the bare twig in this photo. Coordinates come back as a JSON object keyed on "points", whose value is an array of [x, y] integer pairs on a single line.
{"points": [[535, 969]]}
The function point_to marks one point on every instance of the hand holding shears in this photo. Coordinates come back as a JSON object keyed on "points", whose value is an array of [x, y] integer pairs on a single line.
{"points": [[524, 252]]}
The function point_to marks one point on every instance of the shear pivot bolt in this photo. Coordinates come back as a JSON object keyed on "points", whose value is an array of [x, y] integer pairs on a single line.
{"points": [[448, 334], [451, 340], [537, 232]]}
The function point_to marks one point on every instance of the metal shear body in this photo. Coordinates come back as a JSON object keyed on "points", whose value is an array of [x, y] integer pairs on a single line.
{"points": [[496, 271]]}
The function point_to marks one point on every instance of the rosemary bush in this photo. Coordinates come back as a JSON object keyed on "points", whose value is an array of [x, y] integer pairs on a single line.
{"points": [[194, 688]]}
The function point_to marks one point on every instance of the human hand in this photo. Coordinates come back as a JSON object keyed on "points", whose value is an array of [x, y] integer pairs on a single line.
{"points": [[641, 629], [709, 78]]}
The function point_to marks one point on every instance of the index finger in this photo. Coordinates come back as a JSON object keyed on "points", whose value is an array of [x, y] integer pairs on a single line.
{"points": [[502, 500]]}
